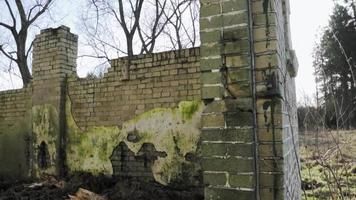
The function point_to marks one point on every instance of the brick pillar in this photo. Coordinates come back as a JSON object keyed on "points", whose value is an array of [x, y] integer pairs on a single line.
{"points": [[228, 121], [247, 144], [54, 58]]}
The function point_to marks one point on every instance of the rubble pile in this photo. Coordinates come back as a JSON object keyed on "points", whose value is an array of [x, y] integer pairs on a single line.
{"points": [[83, 186]]}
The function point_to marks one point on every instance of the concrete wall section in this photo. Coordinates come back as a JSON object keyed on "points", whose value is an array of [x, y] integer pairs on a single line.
{"points": [[222, 115], [15, 133], [248, 70], [159, 80]]}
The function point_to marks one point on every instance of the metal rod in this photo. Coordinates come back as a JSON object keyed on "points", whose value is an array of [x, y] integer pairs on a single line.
{"points": [[254, 99]]}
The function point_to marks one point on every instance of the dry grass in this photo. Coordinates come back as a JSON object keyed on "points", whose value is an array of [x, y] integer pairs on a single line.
{"points": [[329, 164]]}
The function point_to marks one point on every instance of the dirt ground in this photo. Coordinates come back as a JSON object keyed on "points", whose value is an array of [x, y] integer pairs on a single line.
{"points": [[328, 160], [328, 172], [104, 188]]}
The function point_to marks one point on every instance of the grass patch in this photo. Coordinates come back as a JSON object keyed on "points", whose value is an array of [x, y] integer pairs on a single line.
{"points": [[329, 165]]}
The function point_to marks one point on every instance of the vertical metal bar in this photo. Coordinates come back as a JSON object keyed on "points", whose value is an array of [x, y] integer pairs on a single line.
{"points": [[254, 99]]}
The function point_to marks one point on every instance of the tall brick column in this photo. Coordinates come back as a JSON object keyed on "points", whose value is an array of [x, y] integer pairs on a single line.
{"points": [[54, 58], [249, 138]]}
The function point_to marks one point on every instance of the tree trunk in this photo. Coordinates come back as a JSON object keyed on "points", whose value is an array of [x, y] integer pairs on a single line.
{"points": [[22, 58], [24, 71], [126, 68], [129, 40]]}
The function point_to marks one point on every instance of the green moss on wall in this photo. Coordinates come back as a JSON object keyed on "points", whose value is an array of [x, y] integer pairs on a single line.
{"points": [[90, 150], [45, 128], [168, 129], [14, 149], [188, 108], [14, 145]]}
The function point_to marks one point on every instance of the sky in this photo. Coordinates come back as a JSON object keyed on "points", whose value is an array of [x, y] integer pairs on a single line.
{"points": [[308, 17]]}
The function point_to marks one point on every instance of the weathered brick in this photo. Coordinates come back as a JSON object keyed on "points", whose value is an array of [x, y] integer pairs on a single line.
{"points": [[211, 78], [227, 164], [241, 181], [238, 61], [163, 80], [227, 194], [217, 179], [227, 135], [213, 120], [211, 92]]}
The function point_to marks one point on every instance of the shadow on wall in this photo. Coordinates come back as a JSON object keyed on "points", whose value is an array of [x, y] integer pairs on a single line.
{"points": [[138, 167], [43, 157]]}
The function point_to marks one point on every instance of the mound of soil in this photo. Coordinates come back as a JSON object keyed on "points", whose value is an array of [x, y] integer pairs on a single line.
{"points": [[106, 187], [310, 184]]}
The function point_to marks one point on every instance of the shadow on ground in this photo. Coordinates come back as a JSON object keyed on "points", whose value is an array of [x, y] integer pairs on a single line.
{"points": [[109, 188]]}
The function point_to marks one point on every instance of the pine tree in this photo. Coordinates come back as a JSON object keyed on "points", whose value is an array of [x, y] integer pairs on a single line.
{"points": [[334, 62]]}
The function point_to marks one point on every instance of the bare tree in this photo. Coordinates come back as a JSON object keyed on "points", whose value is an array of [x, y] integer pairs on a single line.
{"points": [[177, 24], [194, 11], [352, 5], [22, 17], [182, 25], [143, 24], [128, 25], [153, 27], [148, 19], [171, 13]]}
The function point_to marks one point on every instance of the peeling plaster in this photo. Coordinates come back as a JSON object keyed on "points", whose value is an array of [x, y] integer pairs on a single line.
{"points": [[45, 128], [175, 131]]}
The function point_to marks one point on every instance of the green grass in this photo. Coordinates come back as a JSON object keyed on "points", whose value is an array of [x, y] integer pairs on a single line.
{"points": [[329, 168]]}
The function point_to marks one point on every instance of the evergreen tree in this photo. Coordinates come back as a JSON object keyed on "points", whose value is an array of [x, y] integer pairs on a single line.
{"points": [[334, 62]]}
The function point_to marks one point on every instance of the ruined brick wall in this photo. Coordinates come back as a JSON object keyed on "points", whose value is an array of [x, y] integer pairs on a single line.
{"points": [[248, 123], [159, 80], [54, 60], [225, 111], [280, 142], [14, 132], [292, 177], [160, 105], [75, 124], [14, 105]]}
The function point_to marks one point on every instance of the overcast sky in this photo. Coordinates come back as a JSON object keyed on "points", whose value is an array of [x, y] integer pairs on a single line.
{"points": [[308, 17]]}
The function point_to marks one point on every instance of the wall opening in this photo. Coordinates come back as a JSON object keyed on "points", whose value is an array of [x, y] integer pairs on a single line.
{"points": [[126, 163], [43, 156]]}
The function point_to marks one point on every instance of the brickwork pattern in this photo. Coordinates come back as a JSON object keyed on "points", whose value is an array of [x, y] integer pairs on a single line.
{"points": [[250, 69], [14, 105], [227, 133], [14, 132], [127, 164], [159, 80], [244, 72], [54, 59]]}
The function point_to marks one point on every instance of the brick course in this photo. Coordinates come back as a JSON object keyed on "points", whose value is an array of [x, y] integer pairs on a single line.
{"points": [[159, 80], [244, 72], [249, 64]]}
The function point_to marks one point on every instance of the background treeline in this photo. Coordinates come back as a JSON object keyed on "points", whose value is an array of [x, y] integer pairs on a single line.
{"points": [[108, 29], [335, 71]]}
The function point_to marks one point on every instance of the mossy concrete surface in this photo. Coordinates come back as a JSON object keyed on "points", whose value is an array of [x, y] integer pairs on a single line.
{"points": [[14, 150], [45, 128], [175, 131]]}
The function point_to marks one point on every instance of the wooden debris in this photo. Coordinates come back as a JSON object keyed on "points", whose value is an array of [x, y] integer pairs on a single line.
{"points": [[83, 194]]}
